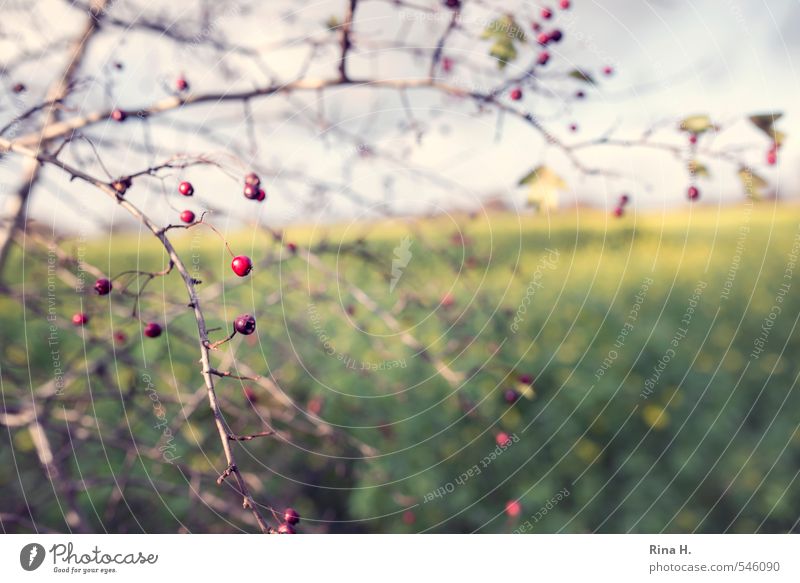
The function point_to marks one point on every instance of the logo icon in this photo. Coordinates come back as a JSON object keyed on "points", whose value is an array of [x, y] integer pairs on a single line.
{"points": [[31, 556], [402, 255]]}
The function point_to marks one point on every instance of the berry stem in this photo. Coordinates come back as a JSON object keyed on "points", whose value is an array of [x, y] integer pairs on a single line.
{"points": [[214, 345]]}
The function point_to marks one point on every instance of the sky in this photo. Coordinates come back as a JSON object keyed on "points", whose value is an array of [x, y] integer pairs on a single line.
{"points": [[671, 58]]}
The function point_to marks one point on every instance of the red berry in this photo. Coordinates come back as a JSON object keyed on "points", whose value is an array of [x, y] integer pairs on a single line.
{"points": [[103, 286], [186, 188], [120, 337], [502, 438], [692, 139], [556, 36], [543, 38], [565, 4], [624, 199], [241, 265], [262, 195], [608, 70], [452, 3], [152, 330], [18, 88], [409, 517], [118, 115], [80, 319], [315, 405], [693, 193], [290, 516], [511, 396], [543, 58], [181, 84], [291, 247], [525, 379], [516, 94], [619, 211], [772, 157], [536, 26], [187, 216], [448, 300], [580, 95], [251, 192], [245, 324], [513, 508], [573, 127], [447, 64], [547, 14], [252, 179], [286, 529], [250, 395]]}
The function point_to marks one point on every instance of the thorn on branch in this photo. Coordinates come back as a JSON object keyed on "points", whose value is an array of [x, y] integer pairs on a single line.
{"points": [[228, 374], [233, 437]]}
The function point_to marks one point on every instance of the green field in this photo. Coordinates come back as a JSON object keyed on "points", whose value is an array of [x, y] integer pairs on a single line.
{"points": [[662, 348]]}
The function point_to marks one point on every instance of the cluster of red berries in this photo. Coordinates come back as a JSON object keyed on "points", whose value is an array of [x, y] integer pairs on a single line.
{"points": [[621, 204], [103, 287], [290, 519], [252, 188], [186, 189], [241, 264], [544, 38]]}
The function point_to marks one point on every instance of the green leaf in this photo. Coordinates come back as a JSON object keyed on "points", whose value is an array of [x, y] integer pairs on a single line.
{"points": [[778, 137], [504, 31], [765, 121], [544, 185], [582, 76], [332, 23], [754, 185], [698, 169], [504, 27], [697, 124], [504, 51]]}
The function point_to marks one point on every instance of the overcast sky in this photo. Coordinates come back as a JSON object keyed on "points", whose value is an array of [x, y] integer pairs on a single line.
{"points": [[671, 58]]}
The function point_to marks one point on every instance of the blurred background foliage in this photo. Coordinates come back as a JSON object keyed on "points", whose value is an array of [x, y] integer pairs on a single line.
{"points": [[713, 448]]}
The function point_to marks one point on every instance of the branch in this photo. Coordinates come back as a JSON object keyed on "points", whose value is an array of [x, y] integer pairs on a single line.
{"points": [[194, 301], [346, 42], [55, 95]]}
